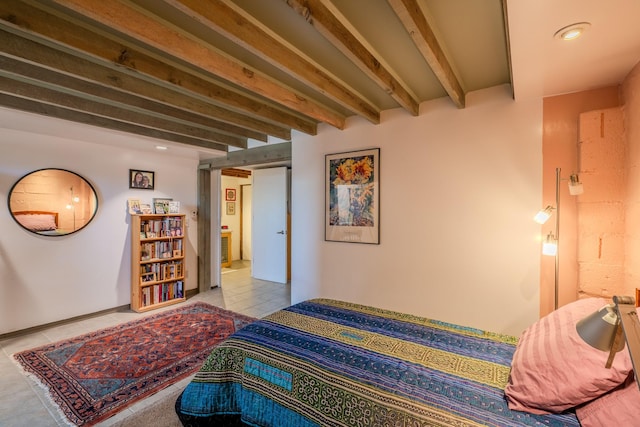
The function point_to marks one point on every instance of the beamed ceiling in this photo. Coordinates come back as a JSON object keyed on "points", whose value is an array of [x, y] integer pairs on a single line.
{"points": [[216, 74]]}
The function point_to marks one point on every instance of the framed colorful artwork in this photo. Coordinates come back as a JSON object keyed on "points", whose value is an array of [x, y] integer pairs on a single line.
{"points": [[352, 197], [230, 194]]}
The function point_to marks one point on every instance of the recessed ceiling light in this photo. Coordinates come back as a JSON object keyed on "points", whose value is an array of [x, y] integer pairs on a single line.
{"points": [[572, 32], [161, 147]]}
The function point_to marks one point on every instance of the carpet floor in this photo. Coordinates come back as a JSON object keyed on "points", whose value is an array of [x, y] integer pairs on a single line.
{"points": [[94, 376]]}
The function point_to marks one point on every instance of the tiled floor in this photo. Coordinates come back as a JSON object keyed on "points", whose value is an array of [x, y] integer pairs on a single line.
{"points": [[23, 403]]}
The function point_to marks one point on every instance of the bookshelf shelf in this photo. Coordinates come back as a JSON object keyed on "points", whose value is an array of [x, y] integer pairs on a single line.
{"points": [[157, 261]]}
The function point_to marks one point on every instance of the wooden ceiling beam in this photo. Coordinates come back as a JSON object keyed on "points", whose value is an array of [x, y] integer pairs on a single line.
{"points": [[35, 90], [272, 153], [237, 173], [55, 111], [329, 25], [132, 23], [91, 91], [243, 29], [137, 72], [417, 25]]}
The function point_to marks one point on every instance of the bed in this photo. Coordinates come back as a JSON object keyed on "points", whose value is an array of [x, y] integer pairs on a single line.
{"points": [[41, 222], [331, 363]]}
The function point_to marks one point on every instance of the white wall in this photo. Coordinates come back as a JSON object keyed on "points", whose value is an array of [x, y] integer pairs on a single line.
{"points": [[458, 192], [46, 279]]}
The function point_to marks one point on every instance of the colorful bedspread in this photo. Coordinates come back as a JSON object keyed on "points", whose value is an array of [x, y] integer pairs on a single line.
{"points": [[331, 363]]}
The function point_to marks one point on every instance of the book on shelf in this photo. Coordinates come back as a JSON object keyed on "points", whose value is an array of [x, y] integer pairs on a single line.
{"points": [[166, 227], [145, 208], [179, 289], [163, 270], [171, 226], [177, 248], [161, 292], [146, 296], [159, 250]]}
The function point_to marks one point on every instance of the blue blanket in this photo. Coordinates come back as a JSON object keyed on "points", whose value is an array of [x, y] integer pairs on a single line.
{"points": [[331, 363]]}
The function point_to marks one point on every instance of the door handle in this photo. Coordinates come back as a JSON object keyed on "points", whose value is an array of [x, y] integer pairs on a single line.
{"points": [[281, 232]]}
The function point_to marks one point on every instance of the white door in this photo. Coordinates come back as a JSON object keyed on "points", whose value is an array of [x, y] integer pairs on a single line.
{"points": [[269, 225]]}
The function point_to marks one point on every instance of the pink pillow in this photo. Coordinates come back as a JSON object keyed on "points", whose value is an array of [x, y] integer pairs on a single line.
{"points": [[619, 407], [553, 369], [37, 222]]}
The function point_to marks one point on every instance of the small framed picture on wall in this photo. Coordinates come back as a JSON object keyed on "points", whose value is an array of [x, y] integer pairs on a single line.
{"points": [[230, 194], [231, 208], [141, 179]]}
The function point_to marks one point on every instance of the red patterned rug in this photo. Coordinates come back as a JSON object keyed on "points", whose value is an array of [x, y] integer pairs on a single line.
{"points": [[94, 376]]}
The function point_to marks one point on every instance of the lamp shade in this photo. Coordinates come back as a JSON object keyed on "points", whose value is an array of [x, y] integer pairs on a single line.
{"points": [[550, 245], [543, 215], [575, 186], [599, 329]]}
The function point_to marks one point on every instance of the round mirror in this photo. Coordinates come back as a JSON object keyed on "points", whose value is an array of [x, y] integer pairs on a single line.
{"points": [[53, 202]]}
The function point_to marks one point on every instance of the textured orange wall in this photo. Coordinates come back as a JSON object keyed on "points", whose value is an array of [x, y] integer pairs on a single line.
{"points": [[560, 150], [601, 209], [631, 111]]}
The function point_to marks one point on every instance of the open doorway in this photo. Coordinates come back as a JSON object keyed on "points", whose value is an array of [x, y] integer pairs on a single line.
{"points": [[211, 200], [237, 225], [235, 220], [239, 286]]}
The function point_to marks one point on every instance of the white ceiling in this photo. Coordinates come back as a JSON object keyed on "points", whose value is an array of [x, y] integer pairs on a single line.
{"points": [[472, 35], [603, 56]]}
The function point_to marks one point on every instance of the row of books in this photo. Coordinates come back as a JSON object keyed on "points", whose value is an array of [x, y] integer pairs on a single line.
{"points": [[167, 227], [161, 292], [159, 271], [160, 250]]}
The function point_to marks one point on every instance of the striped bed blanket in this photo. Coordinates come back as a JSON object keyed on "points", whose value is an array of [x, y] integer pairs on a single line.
{"points": [[332, 363]]}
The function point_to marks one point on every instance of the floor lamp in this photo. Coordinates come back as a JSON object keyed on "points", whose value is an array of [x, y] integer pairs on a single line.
{"points": [[610, 327], [550, 244], [72, 206]]}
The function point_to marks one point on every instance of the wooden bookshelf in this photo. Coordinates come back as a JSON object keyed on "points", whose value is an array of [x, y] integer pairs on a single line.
{"points": [[157, 261]]}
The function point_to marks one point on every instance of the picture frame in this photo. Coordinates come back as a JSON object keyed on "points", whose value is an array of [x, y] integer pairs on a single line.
{"points": [[230, 194], [143, 180], [134, 206], [174, 207], [161, 205], [147, 277], [146, 209], [352, 196], [231, 208]]}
